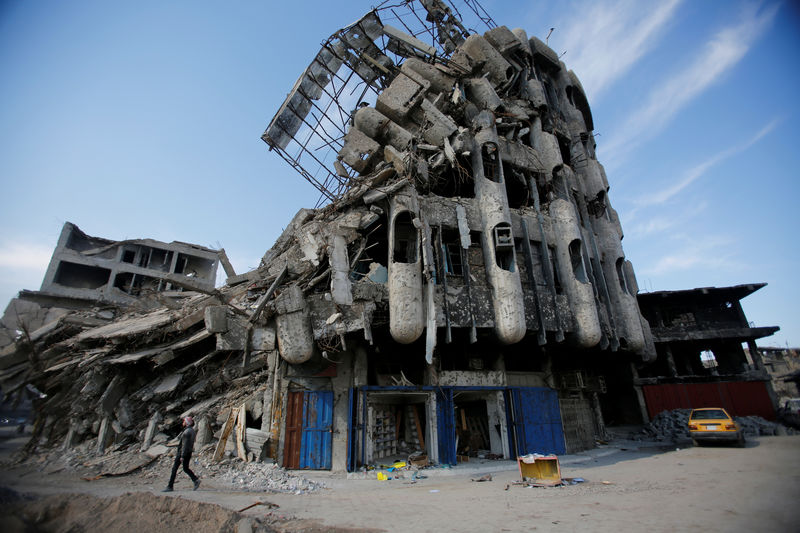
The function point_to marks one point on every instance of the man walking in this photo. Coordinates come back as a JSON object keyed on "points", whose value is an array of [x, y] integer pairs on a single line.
{"points": [[184, 454]]}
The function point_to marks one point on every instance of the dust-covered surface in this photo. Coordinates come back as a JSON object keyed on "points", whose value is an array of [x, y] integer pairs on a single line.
{"points": [[645, 485], [123, 514]]}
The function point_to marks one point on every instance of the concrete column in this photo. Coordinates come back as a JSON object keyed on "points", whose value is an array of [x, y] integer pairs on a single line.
{"points": [[639, 395], [104, 435], [341, 385]]}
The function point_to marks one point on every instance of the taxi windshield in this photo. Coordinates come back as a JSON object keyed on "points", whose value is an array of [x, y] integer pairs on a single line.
{"points": [[708, 414]]}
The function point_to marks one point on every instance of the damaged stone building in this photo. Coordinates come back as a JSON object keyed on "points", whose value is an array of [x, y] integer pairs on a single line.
{"points": [[93, 272], [459, 290], [700, 337]]}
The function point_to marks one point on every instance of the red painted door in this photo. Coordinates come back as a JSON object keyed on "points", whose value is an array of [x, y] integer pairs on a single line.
{"points": [[294, 430]]}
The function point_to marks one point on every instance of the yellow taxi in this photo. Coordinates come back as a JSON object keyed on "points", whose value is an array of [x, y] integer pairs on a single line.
{"points": [[714, 424]]}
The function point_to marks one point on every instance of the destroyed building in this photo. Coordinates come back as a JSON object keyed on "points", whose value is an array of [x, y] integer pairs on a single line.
{"points": [[699, 336], [459, 290], [86, 272], [783, 367]]}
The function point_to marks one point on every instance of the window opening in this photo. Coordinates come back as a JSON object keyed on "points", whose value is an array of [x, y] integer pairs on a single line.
{"points": [[405, 239], [504, 246], [576, 257], [623, 284], [489, 155], [564, 146]]}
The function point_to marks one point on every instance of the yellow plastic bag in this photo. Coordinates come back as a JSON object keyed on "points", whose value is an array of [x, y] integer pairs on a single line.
{"points": [[382, 476]]}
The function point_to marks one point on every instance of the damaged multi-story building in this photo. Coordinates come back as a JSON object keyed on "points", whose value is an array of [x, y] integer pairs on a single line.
{"points": [[479, 295], [700, 337], [459, 290], [87, 272]]}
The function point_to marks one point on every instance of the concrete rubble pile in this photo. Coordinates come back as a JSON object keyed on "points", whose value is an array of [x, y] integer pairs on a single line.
{"points": [[674, 426], [454, 160]]}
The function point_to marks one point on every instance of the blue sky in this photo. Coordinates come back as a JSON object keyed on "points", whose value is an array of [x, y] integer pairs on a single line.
{"points": [[143, 119]]}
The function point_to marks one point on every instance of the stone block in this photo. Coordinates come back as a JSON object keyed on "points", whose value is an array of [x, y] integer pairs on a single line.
{"points": [[402, 95], [216, 318], [358, 150]]}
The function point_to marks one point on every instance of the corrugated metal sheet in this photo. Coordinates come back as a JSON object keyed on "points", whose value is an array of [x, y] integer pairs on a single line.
{"points": [[315, 446], [537, 421], [739, 398]]}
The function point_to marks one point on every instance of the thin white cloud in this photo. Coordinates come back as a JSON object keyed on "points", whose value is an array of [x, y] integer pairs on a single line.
{"points": [[660, 224], [725, 49], [694, 173], [610, 37], [693, 253], [17, 255]]}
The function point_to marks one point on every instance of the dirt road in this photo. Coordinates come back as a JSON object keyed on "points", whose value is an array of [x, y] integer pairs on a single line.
{"points": [[756, 488]]}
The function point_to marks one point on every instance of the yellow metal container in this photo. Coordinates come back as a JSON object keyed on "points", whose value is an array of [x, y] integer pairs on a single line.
{"points": [[540, 469]]}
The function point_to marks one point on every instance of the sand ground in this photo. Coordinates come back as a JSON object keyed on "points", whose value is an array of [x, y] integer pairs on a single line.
{"points": [[628, 487]]}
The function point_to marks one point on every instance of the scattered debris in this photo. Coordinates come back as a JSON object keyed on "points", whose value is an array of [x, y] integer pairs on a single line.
{"points": [[673, 426]]}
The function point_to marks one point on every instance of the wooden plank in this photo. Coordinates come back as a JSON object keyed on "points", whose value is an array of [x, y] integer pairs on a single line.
{"points": [[241, 425], [219, 451]]}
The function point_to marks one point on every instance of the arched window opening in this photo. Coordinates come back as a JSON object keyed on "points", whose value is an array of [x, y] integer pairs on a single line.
{"points": [[623, 284], [491, 160], [406, 241], [576, 257]]}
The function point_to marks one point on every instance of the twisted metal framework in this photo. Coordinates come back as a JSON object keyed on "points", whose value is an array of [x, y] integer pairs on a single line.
{"points": [[351, 69]]}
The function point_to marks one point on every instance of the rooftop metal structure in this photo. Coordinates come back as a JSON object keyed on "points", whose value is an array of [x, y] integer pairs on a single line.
{"points": [[351, 69]]}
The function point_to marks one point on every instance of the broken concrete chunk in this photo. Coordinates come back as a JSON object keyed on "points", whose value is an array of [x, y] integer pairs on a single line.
{"points": [[358, 150], [397, 159], [405, 92], [440, 81], [263, 338], [111, 396], [482, 94], [436, 126], [502, 39], [235, 338], [156, 451], [484, 58], [379, 127], [543, 52], [168, 384], [216, 318], [408, 40], [536, 93]]}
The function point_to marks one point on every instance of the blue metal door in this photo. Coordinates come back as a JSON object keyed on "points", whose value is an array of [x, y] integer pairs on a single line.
{"points": [[537, 421], [315, 446], [446, 425]]}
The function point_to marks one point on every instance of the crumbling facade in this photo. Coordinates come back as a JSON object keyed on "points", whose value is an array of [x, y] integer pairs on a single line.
{"points": [[93, 269], [464, 291], [699, 337], [93, 272], [782, 365]]}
